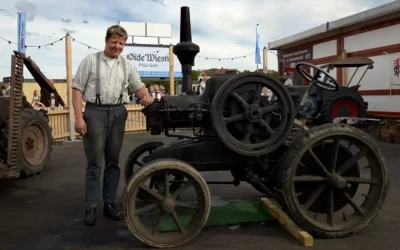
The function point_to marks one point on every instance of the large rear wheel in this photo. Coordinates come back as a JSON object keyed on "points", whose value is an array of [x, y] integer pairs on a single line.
{"points": [[334, 180]]}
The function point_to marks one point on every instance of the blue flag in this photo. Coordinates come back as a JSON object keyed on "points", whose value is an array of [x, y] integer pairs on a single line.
{"points": [[258, 52], [21, 31]]}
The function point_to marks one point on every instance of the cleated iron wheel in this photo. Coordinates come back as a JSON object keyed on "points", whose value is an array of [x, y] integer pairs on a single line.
{"points": [[333, 179], [36, 142], [247, 122], [166, 211]]}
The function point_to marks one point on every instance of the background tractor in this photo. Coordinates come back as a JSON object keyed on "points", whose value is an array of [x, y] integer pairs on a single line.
{"points": [[25, 134], [323, 105]]}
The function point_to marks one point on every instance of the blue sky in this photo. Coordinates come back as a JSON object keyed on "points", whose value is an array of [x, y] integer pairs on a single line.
{"points": [[221, 28]]}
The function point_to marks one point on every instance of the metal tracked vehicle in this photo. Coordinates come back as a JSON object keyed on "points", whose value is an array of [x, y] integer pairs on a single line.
{"points": [[25, 134], [317, 175]]}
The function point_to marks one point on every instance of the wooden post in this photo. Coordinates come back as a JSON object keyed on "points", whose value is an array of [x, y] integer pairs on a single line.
{"points": [[265, 60], [68, 61], [344, 70], [171, 71]]}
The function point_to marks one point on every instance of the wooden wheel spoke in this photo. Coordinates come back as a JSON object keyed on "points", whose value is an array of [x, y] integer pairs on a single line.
{"points": [[236, 118], [319, 163], [166, 184], [270, 108], [314, 196], [240, 99], [352, 203], [331, 206], [157, 224], [182, 189], [178, 222], [350, 162], [361, 180], [152, 192], [185, 205], [147, 208], [335, 152], [310, 178], [247, 134], [257, 94], [267, 127]]}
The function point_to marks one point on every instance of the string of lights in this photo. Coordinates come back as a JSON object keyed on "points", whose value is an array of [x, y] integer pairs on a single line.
{"points": [[225, 58], [91, 47], [37, 46]]}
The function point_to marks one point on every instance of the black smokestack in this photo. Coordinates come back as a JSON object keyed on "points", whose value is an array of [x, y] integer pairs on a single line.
{"points": [[186, 29], [186, 51]]}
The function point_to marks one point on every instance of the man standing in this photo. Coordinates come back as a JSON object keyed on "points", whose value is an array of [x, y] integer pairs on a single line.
{"points": [[102, 81]]}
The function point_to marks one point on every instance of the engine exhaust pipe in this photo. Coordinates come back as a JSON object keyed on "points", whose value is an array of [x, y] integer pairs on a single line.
{"points": [[186, 50]]}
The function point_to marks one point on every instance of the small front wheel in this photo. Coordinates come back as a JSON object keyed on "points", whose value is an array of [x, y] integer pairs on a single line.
{"points": [[165, 221]]}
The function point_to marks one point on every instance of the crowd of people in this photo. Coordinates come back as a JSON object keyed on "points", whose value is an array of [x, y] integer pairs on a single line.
{"points": [[156, 92]]}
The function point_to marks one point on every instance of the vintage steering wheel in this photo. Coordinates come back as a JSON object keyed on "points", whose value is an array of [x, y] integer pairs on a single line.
{"points": [[329, 83]]}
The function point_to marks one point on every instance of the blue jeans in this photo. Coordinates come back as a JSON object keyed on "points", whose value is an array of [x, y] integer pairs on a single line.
{"points": [[103, 140]]}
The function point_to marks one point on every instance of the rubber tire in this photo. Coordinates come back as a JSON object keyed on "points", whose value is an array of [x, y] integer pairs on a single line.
{"points": [[284, 175], [154, 166], [29, 116], [343, 93]]}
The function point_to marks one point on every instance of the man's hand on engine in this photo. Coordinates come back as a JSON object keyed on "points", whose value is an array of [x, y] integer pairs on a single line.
{"points": [[147, 100]]}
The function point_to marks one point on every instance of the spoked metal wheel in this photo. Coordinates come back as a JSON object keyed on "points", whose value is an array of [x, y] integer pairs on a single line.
{"points": [[247, 122], [135, 162], [167, 222], [334, 180]]}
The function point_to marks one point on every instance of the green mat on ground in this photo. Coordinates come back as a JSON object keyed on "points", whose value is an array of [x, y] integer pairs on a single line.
{"points": [[231, 213]]}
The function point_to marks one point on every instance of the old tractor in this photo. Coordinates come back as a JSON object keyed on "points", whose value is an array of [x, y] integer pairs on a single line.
{"points": [[331, 179], [25, 134], [324, 105]]}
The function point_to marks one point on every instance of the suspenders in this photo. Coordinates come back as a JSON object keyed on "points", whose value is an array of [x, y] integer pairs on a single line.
{"points": [[98, 86]]}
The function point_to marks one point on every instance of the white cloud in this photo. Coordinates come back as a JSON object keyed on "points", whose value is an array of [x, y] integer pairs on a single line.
{"points": [[221, 28]]}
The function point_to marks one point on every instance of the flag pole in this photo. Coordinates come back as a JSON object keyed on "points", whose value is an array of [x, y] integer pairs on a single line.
{"points": [[257, 54]]}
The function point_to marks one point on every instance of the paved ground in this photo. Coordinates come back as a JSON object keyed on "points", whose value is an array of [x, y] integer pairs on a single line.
{"points": [[45, 212]]}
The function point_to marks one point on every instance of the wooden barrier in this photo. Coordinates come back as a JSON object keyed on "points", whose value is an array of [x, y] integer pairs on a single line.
{"points": [[59, 121]]}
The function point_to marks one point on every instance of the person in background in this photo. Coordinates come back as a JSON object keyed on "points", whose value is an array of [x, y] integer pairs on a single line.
{"points": [[288, 81], [162, 91], [151, 91], [202, 86], [157, 93], [36, 100], [103, 123]]}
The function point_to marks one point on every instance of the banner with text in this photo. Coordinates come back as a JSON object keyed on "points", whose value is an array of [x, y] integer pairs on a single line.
{"points": [[152, 64], [291, 57], [21, 31]]}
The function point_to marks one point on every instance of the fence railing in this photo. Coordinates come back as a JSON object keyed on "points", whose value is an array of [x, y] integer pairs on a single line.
{"points": [[60, 123]]}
